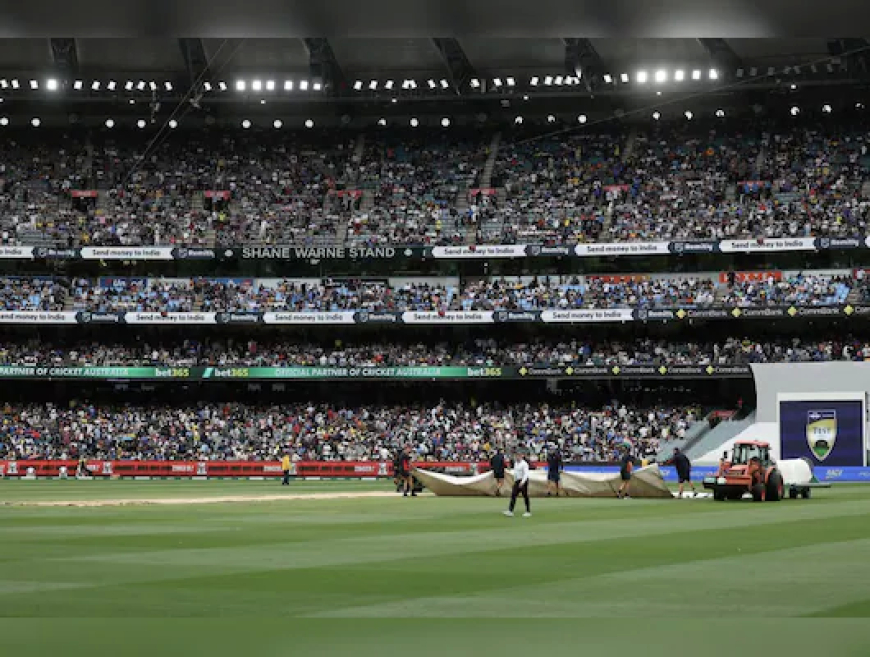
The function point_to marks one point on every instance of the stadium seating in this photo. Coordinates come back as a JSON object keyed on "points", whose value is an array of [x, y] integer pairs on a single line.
{"points": [[677, 181]]}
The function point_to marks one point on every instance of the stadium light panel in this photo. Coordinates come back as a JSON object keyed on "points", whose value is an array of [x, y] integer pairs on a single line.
{"points": [[688, 115], [129, 85], [110, 123], [714, 74], [34, 84], [303, 85], [793, 86], [496, 82], [358, 85], [373, 85], [35, 122], [511, 82], [661, 76], [641, 77], [141, 85], [432, 84], [152, 85], [859, 106], [551, 118], [15, 84], [77, 85], [548, 80], [413, 84], [309, 123], [95, 85], [257, 85], [475, 83], [534, 81], [140, 124], [394, 100], [559, 80], [445, 84], [205, 85], [270, 85], [518, 120], [262, 101], [4, 121], [608, 79], [51, 84], [826, 108], [525, 97], [415, 122], [246, 124], [3, 83], [168, 86], [696, 74], [794, 111], [388, 85], [240, 85], [720, 113], [582, 118], [317, 86], [173, 124], [111, 85], [656, 116], [222, 86], [288, 85], [132, 102], [624, 78], [679, 75], [277, 123], [445, 122]]}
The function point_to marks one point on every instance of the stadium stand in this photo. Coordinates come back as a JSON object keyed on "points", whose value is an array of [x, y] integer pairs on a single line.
{"points": [[678, 181]]}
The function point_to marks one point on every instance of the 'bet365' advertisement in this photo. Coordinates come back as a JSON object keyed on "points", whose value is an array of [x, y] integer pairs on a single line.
{"points": [[827, 432]]}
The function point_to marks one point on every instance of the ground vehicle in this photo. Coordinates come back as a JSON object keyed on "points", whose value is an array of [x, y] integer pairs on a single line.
{"points": [[749, 470]]}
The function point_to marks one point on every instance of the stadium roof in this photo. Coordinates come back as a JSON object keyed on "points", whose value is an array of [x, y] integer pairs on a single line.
{"points": [[362, 57]]}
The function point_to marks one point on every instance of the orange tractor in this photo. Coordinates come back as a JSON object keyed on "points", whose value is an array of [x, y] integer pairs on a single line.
{"points": [[750, 470]]}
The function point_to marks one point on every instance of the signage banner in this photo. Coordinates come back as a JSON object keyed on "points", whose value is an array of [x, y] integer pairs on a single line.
{"points": [[333, 469], [605, 249], [431, 318], [423, 372], [422, 252], [826, 432], [126, 253]]}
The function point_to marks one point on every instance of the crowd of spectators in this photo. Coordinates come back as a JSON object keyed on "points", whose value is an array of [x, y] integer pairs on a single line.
{"points": [[675, 181], [483, 352], [425, 294], [233, 431]]}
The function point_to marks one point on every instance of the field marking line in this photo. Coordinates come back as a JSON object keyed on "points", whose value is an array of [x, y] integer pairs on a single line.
{"points": [[174, 501]]}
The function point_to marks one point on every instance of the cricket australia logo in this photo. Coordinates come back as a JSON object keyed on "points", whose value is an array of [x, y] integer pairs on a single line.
{"points": [[821, 433]]}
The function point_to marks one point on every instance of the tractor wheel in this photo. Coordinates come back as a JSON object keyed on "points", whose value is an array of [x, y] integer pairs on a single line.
{"points": [[806, 493], [758, 493], [774, 487], [718, 494], [792, 493]]}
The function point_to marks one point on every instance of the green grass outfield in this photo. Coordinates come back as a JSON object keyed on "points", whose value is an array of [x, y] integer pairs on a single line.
{"points": [[428, 575]]}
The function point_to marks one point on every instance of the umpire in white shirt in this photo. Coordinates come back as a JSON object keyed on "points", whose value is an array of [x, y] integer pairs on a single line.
{"points": [[521, 485]]}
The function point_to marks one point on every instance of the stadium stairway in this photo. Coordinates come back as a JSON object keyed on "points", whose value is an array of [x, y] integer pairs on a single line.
{"points": [[693, 434], [628, 150], [486, 176], [709, 440]]}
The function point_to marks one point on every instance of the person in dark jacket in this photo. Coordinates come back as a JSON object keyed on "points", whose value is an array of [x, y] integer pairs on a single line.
{"points": [[683, 466], [497, 465], [626, 465], [554, 471]]}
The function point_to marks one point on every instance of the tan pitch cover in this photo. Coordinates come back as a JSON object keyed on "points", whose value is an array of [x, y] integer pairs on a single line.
{"points": [[645, 482]]}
